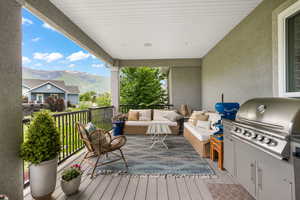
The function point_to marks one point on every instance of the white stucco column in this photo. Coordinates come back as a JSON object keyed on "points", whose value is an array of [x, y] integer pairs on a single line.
{"points": [[115, 87], [29, 97], [11, 166], [66, 100]]}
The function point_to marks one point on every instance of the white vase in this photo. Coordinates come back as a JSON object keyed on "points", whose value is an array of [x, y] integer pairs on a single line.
{"points": [[72, 186], [42, 179]]}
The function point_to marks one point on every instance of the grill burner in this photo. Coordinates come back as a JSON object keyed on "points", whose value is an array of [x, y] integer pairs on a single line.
{"points": [[268, 124]]}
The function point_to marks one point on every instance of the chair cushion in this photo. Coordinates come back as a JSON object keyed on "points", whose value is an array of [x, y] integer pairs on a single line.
{"points": [[172, 116], [90, 127], [147, 123], [144, 114], [200, 134], [205, 125], [100, 139], [133, 115]]}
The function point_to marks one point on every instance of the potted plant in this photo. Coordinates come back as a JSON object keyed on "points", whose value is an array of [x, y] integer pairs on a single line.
{"points": [[70, 179], [118, 122], [41, 148]]}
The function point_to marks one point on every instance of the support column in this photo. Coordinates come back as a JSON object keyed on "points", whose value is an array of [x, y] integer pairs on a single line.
{"points": [[115, 87], [11, 166], [66, 100]]}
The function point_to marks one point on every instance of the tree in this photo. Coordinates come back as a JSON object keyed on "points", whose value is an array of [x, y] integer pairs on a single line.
{"points": [[142, 86], [104, 99], [87, 96]]}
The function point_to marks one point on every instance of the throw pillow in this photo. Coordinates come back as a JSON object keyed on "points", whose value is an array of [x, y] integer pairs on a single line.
{"points": [[133, 116], [172, 116], [144, 114], [158, 115], [200, 116], [90, 127]]}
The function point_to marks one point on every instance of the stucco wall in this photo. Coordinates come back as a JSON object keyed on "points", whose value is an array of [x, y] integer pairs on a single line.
{"points": [[240, 66], [185, 86]]}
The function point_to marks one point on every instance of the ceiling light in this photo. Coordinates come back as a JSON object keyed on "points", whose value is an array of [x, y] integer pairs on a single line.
{"points": [[148, 44]]}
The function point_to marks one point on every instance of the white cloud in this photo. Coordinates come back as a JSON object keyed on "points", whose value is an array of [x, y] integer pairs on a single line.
{"points": [[98, 65], [72, 65], [36, 39], [47, 26], [25, 60], [48, 57], [26, 21], [38, 64], [80, 55]]}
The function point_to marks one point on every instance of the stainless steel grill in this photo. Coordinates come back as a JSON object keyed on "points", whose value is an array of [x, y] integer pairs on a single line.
{"points": [[268, 124]]}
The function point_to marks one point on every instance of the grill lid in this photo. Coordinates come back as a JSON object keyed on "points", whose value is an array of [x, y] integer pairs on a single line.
{"points": [[278, 114]]}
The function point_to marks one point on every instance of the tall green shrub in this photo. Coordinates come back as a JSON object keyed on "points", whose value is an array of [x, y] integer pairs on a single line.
{"points": [[42, 141], [142, 86]]}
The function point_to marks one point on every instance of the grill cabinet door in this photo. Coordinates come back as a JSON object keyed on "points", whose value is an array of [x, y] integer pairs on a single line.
{"points": [[229, 154], [246, 167], [274, 179]]}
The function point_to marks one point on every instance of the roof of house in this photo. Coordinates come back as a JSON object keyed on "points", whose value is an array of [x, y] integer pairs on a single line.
{"points": [[34, 83]]}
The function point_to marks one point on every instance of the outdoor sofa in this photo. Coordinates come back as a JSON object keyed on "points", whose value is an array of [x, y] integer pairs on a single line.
{"points": [[199, 129], [149, 116]]}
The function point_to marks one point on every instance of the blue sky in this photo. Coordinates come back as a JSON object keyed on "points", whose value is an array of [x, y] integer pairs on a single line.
{"points": [[46, 49]]}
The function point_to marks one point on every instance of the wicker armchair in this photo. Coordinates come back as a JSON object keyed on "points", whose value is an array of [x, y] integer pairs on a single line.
{"points": [[99, 143]]}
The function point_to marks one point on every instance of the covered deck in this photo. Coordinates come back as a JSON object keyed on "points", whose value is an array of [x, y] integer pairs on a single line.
{"points": [[233, 47]]}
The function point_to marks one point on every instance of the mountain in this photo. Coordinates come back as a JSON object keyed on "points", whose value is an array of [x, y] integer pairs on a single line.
{"points": [[85, 81]]}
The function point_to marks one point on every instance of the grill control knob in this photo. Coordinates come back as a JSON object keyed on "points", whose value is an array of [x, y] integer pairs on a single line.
{"points": [[247, 133], [273, 143], [254, 136], [260, 137], [267, 140]]}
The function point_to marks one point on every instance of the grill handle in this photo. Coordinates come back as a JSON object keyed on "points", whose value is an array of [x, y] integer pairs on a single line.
{"points": [[253, 177], [259, 176]]}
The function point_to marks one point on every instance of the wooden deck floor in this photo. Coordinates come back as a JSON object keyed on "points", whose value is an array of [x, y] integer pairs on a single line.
{"points": [[126, 187]]}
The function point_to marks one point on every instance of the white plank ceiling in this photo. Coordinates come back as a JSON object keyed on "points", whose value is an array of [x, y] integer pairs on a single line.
{"points": [[156, 29]]}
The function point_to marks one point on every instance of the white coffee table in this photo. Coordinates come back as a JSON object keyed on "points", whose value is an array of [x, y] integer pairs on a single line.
{"points": [[160, 132]]}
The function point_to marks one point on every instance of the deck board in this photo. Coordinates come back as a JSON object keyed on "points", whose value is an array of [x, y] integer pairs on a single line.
{"points": [[172, 188], [162, 189], [101, 188], [120, 192], [152, 189], [203, 189], [131, 189], [193, 189], [109, 193], [182, 189], [141, 191]]}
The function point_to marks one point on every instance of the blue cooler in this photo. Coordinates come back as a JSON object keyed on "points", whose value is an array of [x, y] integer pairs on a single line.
{"points": [[227, 111], [118, 127]]}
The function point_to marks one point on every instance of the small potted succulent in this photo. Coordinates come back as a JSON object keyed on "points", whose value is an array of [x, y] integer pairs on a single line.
{"points": [[118, 122], [70, 179]]}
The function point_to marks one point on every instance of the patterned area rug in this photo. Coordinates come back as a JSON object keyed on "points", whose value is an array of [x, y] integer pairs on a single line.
{"points": [[179, 160], [229, 192]]}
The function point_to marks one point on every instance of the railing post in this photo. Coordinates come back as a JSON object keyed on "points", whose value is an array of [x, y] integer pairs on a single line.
{"points": [[90, 114]]}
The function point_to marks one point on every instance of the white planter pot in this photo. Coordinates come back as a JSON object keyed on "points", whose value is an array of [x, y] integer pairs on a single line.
{"points": [[42, 178], [72, 186]]}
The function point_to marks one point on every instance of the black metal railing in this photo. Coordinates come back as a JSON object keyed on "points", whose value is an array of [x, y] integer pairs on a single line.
{"points": [[69, 136], [126, 108]]}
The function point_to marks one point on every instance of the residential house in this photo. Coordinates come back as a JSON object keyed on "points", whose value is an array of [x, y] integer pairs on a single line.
{"points": [[38, 90]]}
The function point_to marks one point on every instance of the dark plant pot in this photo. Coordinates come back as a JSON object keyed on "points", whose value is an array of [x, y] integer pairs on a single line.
{"points": [[118, 127]]}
